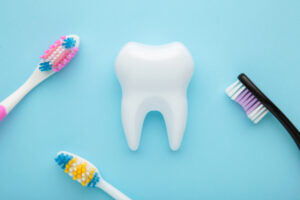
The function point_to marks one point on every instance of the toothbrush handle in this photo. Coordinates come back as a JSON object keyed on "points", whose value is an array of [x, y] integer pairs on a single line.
{"points": [[3, 112], [10, 102], [111, 190], [288, 125]]}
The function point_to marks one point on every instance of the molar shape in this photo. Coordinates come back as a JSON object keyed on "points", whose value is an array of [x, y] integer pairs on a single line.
{"points": [[154, 78]]}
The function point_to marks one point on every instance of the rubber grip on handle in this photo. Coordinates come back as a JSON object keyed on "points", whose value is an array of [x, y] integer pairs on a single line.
{"points": [[2, 113]]}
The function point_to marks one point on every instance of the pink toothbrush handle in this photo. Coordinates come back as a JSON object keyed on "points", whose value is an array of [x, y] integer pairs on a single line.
{"points": [[2, 113]]}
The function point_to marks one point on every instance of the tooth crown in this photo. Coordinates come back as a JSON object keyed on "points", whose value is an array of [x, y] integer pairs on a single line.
{"points": [[170, 65], [154, 78]]}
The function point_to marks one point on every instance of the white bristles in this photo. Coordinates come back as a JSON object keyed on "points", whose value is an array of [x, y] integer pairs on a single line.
{"points": [[233, 88], [55, 54], [238, 92], [260, 117], [255, 112], [258, 113]]}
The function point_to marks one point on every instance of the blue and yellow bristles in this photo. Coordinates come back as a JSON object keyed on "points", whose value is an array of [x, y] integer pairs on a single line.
{"points": [[78, 168], [86, 173]]}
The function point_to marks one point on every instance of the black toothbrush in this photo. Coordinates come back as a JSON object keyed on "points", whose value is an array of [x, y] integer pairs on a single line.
{"points": [[257, 104]]}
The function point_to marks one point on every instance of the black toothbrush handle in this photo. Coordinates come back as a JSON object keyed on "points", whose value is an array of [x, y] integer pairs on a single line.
{"points": [[288, 125]]}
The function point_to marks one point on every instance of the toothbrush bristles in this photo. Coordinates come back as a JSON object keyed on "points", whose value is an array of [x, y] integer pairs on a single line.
{"points": [[59, 54], [79, 169], [254, 109]]}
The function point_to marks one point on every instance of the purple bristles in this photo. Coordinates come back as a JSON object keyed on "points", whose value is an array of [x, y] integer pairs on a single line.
{"points": [[247, 101], [242, 95], [252, 106], [250, 103]]}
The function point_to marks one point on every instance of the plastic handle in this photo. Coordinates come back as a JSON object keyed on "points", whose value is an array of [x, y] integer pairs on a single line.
{"points": [[2, 113], [111, 190], [10, 102], [288, 125]]}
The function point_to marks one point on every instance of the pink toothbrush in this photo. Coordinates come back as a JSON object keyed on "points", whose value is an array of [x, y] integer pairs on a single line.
{"points": [[54, 59]]}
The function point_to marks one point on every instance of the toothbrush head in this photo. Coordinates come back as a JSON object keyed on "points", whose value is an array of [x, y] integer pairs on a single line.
{"points": [[78, 168], [60, 53], [245, 93]]}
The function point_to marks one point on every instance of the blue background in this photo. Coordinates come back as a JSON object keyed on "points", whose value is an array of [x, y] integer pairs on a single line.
{"points": [[223, 155]]}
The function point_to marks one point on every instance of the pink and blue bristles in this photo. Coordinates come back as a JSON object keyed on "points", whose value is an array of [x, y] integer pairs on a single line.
{"points": [[59, 54]]}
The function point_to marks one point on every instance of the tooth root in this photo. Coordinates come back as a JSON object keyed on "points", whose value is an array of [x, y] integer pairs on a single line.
{"points": [[133, 120], [175, 118]]}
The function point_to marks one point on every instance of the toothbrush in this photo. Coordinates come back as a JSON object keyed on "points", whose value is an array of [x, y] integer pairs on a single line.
{"points": [[257, 105], [86, 173], [53, 60]]}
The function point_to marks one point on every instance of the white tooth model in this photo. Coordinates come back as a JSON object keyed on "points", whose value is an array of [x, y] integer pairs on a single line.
{"points": [[154, 78]]}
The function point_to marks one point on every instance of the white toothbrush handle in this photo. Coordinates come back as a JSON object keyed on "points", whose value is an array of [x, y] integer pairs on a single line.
{"points": [[10, 102], [111, 190]]}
